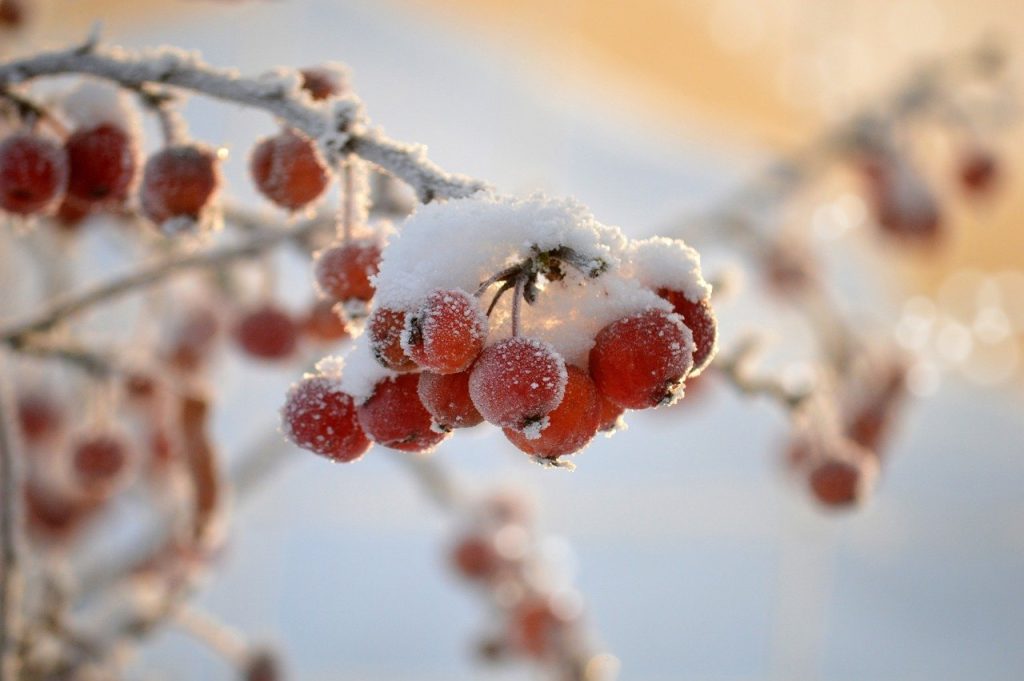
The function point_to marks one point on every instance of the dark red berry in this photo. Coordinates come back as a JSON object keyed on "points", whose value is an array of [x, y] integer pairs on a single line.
{"points": [[33, 173]]}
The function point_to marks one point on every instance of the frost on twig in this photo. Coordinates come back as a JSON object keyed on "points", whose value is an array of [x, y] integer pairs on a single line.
{"points": [[337, 123]]}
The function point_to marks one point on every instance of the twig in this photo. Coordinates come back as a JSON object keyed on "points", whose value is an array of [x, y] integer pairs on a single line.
{"points": [[736, 368], [10, 493], [61, 309], [337, 124]]}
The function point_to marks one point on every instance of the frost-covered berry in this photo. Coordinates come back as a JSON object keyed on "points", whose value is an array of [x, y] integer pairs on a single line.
{"points": [[640, 361], [394, 416], [840, 483], [178, 184], [322, 82], [324, 322], [267, 332], [517, 382], [288, 169], [319, 417], [99, 460], [446, 333], [343, 270], [192, 338], [33, 173], [384, 331], [446, 397], [102, 162], [571, 425], [700, 319], [40, 416], [978, 171], [535, 628], [611, 414], [474, 557]]}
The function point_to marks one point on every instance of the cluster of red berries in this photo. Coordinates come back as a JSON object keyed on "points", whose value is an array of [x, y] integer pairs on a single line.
{"points": [[498, 554], [97, 166], [903, 204], [438, 368], [841, 467]]}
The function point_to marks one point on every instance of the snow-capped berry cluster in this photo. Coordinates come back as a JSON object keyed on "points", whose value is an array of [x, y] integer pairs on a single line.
{"points": [[525, 313]]}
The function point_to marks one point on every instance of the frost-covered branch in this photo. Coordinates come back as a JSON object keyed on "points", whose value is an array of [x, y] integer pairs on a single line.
{"points": [[9, 568], [337, 124], [79, 302]]}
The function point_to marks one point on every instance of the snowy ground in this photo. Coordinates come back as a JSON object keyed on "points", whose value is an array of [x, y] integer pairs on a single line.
{"points": [[697, 559]]}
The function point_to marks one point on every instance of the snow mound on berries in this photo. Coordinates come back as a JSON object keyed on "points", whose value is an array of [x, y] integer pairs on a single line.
{"points": [[362, 372], [461, 243], [94, 103], [660, 262]]}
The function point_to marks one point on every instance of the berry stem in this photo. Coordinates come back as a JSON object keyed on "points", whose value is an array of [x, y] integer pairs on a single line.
{"points": [[217, 636], [517, 306], [354, 195]]}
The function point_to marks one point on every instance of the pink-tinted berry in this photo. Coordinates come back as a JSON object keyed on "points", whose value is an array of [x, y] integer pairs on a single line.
{"points": [[518, 381], [319, 417], [102, 164], [384, 330], [288, 170], [33, 173], [446, 397], [640, 361], [394, 416], [343, 270], [474, 557], [322, 82], [446, 333], [571, 425], [324, 322], [179, 182], [699, 317], [267, 332]]}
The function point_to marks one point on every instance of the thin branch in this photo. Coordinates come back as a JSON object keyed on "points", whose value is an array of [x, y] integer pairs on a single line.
{"points": [[76, 303], [337, 124], [10, 493], [736, 367]]}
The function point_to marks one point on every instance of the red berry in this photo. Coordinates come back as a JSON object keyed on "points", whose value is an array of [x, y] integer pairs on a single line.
{"points": [[319, 417], [446, 397], [384, 330], [179, 182], [610, 414], [40, 416], [343, 270], [12, 13], [324, 322], [71, 213], [700, 319], [321, 82], [979, 172], [193, 338], [53, 513], [903, 204], [99, 460], [288, 170], [394, 416], [101, 164], [535, 628], [572, 424], [474, 557], [640, 361], [447, 332], [33, 173], [267, 332], [262, 665], [839, 483], [517, 382]]}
